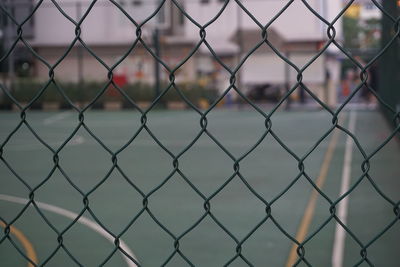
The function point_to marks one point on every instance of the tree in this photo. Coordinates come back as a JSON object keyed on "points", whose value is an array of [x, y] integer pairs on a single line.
{"points": [[351, 30]]}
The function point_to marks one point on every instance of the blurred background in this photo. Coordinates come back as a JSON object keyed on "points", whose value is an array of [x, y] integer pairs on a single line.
{"points": [[107, 41]]}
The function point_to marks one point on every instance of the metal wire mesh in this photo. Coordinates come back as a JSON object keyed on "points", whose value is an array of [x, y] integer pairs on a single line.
{"points": [[391, 20]]}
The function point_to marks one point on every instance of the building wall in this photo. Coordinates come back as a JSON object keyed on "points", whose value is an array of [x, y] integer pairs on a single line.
{"points": [[108, 32], [20, 10], [287, 24], [108, 25], [105, 24], [370, 11], [297, 25]]}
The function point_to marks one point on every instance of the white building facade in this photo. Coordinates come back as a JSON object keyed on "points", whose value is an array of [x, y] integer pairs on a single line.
{"points": [[109, 33], [301, 31]]}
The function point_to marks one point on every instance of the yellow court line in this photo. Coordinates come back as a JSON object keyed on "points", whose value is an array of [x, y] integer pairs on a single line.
{"points": [[30, 251], [309, 212]]}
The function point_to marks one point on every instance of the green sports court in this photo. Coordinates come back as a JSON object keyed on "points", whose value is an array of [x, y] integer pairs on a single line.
{"points": [[237, 196]]}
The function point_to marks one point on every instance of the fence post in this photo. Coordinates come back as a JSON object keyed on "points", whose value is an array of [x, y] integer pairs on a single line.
{"points": [[156, 41], [240, 52], [8, 41], [79, 52], [389, 72], [287, 82]]}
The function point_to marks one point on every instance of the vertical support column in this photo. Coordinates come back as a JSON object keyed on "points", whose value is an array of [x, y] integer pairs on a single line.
{"points": [[240, 44], [79, 51], [333, 66], [239, 83], [3, 44], [287, 81], [156, 42], [9, 32]]}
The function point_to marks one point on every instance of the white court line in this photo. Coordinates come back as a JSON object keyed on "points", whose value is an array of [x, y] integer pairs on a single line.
{"points": [[82, 220], [77, 140], [56, 117], [340, 233]]}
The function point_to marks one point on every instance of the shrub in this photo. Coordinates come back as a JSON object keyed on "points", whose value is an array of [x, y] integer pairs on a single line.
{"points": [[25, 90], [139, 92], [193, 92], [51, 94], [89, 90], [5, 101]]}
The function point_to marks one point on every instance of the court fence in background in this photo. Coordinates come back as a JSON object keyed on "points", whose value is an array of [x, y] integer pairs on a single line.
{"points": [[388, 97]]}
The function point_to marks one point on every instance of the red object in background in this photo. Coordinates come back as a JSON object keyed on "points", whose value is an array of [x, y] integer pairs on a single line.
{"points": [[139, 74], [345, 88], [120, 79], [320, 45]]}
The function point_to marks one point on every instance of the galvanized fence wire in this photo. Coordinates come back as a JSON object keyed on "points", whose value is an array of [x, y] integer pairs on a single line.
{"points": [[204, 131]]}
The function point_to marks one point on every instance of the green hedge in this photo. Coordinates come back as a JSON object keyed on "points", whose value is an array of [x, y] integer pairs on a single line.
{"points": [[24, 91]]}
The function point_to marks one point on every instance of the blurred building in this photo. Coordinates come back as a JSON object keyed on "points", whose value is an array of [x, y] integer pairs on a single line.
{"points": [[18, 62], [297, 34], [109, 34], [363, 10], [363, 25]]}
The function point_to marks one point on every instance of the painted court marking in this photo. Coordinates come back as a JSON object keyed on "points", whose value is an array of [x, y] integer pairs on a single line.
{"points": [[28, 247], [82, 220], [309, 212], [77, 140], [340, 233], [56, 117]]}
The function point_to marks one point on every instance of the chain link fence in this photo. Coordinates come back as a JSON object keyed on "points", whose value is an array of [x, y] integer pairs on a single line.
{"points": [[388, 97]]}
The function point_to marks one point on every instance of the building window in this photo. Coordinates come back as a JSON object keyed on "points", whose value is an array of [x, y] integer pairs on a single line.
{"points": [[370, 6], [137, 3], [204, 1]]}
